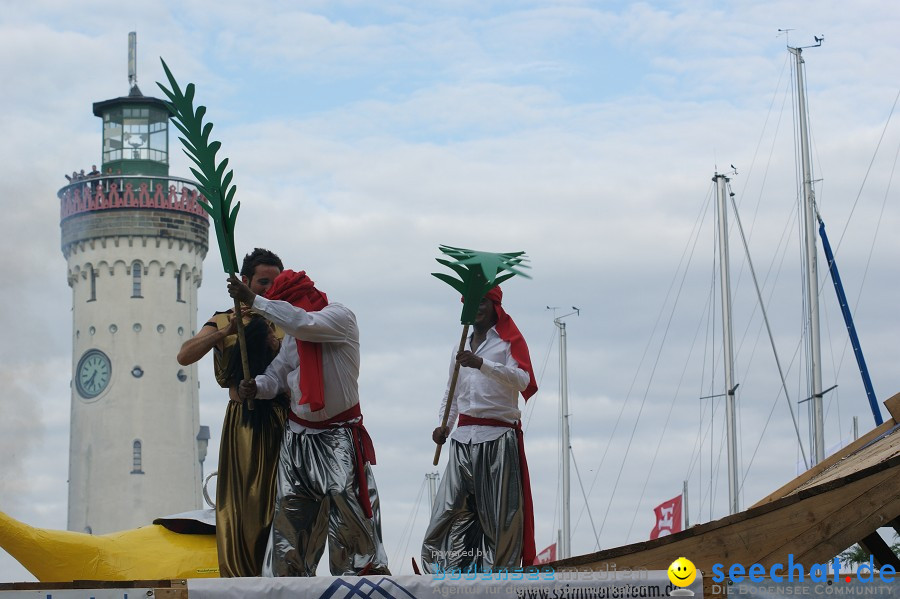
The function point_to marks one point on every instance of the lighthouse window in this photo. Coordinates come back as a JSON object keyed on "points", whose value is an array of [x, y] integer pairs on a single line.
{"points": [[136, 136], [112, 135], [159, 135], [93, 284], [178, 286], [136, 457], [136, 269]]}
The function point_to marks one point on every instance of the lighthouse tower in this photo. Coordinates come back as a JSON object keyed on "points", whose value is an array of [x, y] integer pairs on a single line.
{"points": [[134, 239]]}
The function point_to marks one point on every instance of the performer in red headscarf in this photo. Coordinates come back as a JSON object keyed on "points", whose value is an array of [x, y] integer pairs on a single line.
{"points": [[326, 452], [482, 517]]}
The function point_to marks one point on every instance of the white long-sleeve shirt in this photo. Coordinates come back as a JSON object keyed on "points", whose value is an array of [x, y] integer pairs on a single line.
{"points": [[335, 328], [491, 391]]}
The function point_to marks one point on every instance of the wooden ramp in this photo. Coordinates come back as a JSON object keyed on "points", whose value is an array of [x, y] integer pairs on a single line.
{"points": [[839, 502]]}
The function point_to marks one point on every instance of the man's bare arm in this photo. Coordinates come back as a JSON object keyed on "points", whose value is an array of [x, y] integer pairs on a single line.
{"points": [[199, 345]]}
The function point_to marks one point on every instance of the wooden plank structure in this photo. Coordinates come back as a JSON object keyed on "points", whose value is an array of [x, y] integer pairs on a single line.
{"points": [[162, 589], [843, 500]]}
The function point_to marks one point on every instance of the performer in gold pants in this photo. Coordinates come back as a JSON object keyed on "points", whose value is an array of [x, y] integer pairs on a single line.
{"points": [[251, 439]]}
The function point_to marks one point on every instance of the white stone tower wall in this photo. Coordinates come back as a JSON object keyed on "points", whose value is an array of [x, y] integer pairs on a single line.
{"points": [[106, 491]]}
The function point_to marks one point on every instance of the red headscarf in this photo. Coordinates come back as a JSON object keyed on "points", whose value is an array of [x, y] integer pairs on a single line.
{"points": [[298, 290], [509, 332]]}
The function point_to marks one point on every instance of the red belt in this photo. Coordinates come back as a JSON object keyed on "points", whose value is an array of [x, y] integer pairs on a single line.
{"points": [[528, 549], [363, 448]]}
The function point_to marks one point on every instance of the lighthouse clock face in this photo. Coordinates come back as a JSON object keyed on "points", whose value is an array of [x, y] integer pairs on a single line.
{"points": [[92, 374]]}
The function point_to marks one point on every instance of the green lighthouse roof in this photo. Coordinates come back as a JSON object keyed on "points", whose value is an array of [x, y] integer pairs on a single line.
{"points": [[134, 97]]}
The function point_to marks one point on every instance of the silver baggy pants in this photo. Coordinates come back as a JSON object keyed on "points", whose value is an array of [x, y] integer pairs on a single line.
{"points": [[477, 520], [316, 496]]}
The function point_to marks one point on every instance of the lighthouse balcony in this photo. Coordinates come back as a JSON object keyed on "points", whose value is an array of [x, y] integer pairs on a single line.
{"points": [[115, 192]]}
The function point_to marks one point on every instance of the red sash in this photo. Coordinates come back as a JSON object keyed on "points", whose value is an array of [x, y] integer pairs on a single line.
{"points": [[298, 290], [528, 549], [362, 445]]}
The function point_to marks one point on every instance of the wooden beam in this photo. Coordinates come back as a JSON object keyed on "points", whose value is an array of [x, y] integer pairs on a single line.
{"points": [[172, 589], [813, 524], [878, 451], [880, 551], [830, 461], [713, 591], [893, 407], [860, 516]]}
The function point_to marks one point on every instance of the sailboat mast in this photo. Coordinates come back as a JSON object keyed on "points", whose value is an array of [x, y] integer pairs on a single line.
{"points": [[728, 345], [565, 544], [432, 487], [817, 449]]}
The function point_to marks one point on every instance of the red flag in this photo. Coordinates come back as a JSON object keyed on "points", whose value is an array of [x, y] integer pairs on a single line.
{"points": [[546, 556], [668, 518]]}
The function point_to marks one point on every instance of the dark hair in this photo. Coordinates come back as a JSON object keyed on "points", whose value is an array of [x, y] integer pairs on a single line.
{"points": [[255, 258], [259, 354]]}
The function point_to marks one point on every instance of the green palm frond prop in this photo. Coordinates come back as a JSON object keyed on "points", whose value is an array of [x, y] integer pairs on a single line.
{"points": [[478, 273], [212, 180]]}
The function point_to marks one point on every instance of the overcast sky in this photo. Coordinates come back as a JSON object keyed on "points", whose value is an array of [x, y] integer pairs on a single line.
{"points": [[364, 134]]}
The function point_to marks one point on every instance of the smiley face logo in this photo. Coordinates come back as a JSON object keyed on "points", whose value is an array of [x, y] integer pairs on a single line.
{"points": [[682, 572]]}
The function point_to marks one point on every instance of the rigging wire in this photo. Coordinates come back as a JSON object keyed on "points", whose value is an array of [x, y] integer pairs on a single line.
{"points": [[647, 389], [780, 250], [712, 499], [583, 494], [407, 528], [665, 427], [697, 223], [696, 458], [765, 316], [765, 177], [868, 170], [706, 315], [699, 441], [558, 470], [701, 435], [530, 412], [875, 236], [714, 465], [878, 224], [775, 403], [540, 381], [778, 247], [806, 319]]}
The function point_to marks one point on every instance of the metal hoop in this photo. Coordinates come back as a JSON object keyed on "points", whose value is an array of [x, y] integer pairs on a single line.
{"points": [[206, 498]]}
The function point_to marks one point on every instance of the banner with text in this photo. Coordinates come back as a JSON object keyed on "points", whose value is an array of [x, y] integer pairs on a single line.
{"points": [[600, 584]]}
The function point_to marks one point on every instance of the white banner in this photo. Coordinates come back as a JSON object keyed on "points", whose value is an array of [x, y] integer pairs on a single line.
{"points": [[513, 585], [79, 594]]}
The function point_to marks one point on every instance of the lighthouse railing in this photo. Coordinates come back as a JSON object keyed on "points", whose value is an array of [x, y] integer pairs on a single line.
{"points": [[112, 192]]}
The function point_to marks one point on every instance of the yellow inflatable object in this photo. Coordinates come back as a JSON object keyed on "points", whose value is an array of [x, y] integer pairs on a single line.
{"points": [[146, 553]]}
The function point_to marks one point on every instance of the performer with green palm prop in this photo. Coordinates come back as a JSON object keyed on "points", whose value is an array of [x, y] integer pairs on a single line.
{"points": [[251, 438], [482, 517], [478, 272]]}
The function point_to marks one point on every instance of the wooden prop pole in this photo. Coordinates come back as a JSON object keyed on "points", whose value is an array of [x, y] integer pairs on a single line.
{"points": [[242, 344], [451, 391]]}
